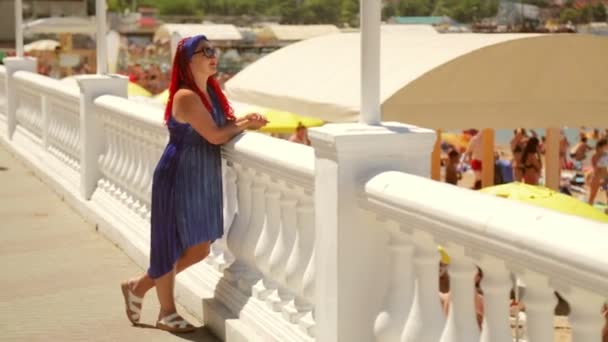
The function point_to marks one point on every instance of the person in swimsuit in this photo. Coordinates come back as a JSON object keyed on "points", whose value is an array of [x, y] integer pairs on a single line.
{"points": [[187, 208], [530, 162], [600, 169], [517, 147]]}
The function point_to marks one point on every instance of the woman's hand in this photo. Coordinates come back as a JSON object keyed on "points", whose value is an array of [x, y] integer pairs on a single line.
{"points": [[255, 121]]}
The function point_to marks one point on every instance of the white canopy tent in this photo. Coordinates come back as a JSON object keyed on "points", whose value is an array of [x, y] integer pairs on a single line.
{"points": [[173, 33], [61, 25], [291, 33], [440, 81]]}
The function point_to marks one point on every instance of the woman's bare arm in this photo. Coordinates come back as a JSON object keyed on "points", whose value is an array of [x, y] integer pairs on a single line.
{"points": [[189, 108]]}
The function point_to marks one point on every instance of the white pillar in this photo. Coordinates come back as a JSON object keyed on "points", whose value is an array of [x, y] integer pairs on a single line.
{"points": [[91, 132], [585, 315], [540, 307], [370, 62], [19, 28], [14, 64], [102, 46], [496, 284], [347, 250]]}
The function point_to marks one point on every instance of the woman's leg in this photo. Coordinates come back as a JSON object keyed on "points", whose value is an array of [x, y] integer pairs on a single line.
{"points": [[593, 188], [139, 286]]}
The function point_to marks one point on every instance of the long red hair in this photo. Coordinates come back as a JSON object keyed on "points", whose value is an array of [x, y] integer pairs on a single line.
{"points": [[181, 75]]}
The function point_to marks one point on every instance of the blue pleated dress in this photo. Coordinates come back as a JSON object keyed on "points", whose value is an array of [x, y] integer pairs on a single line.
{"points": [[187, 201]]}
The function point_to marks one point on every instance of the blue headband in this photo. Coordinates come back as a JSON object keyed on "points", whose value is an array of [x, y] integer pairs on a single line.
{"points": [[191, 43]]}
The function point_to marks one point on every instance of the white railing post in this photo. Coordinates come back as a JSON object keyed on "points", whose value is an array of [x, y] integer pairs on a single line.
{"points": [[540, 307], [347, 250], [390, 323], [14, 64], [496, 285], [585, 315], [91, 131]]}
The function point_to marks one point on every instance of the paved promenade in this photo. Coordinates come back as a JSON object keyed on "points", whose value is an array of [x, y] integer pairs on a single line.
{"points": [[60, 279]]}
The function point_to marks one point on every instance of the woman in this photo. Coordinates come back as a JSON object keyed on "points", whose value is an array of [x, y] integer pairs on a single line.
{"points": [[600, 169], [300, 136], [530, 162], [187, 184], [517, 146]]}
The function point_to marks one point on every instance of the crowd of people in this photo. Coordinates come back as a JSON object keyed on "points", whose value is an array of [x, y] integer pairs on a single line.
{"points": [[525, 160]]}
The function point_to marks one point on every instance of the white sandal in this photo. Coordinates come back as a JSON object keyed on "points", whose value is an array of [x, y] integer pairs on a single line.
{"points": [[171, 324], [133, 312]]}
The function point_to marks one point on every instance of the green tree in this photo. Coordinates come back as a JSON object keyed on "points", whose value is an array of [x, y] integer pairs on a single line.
{"points": [[599, 12], [569, 15], [389, 11]]}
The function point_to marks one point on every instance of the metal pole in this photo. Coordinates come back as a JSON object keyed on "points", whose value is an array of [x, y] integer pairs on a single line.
{"points": [[19, 28], [370, 62], [102, 46]]}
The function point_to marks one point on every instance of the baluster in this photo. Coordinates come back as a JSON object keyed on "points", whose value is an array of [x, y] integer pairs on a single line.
{"points": [[390, 323], [461, 325], [258, 220], [496, 286], [585, 315], [104, 159], [426, 321], [222, 254], [120, 161], [540, 307], [267, 241], [307, 323], [113, 162], [240, 224], [298, 261], [282, 251], [138, 141], [131, 155], [146, 155]]}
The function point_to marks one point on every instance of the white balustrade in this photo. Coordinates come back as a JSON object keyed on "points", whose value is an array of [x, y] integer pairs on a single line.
{"points": [[63, 137], [500, 236], [29, 109], [2, 93], [135, 137], [272, 236]]}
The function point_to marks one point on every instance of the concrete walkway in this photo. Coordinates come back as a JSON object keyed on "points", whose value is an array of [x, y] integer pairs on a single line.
{"points": [[60, 279]]}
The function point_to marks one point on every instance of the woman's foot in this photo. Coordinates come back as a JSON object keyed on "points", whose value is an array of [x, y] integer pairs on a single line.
{"points": [[133, 302], [173, 322]]}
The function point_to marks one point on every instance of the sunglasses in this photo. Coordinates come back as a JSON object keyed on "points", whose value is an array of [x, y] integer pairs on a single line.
{"points": [[209, 52]]}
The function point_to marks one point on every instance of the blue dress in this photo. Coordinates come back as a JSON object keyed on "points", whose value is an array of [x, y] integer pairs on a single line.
{"points": [[187, 199]]}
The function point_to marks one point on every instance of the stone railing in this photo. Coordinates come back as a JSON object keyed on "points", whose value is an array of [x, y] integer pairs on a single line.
{"points": [[271, 240], [547, 250], [134, 137], [2, 95], [30, 90]]}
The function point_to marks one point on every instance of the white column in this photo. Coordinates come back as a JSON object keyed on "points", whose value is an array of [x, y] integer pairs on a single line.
{"points": [[461, 325], [102, 46], [347, 249], [14, 64], [426, 320], [390, 323], [19, 28], [238, 231], [585, 315], [280, 254], [496, 285], [91, 131], [370, 62], [540, 307]]}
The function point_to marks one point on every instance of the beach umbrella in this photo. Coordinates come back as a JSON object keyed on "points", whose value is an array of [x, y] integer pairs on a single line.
{"points": [[546, 198], [162, 97], [460, 141], [134, 89], [41, 45], [286, 122]]}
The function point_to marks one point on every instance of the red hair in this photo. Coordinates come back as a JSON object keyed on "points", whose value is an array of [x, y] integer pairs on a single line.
{"points": [[181, 74]]}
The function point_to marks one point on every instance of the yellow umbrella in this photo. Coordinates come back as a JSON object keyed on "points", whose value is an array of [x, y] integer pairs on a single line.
{"points": [[546, 198], [134, 89], [285, 122], [459, 141], [162, 97]]}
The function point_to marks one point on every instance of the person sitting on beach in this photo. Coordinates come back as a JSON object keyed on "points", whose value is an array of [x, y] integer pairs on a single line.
{"points": [[530, 162], [300, 136], [445, 298], [452, 175], [579, 152], [599, 163], [474, 154]]}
